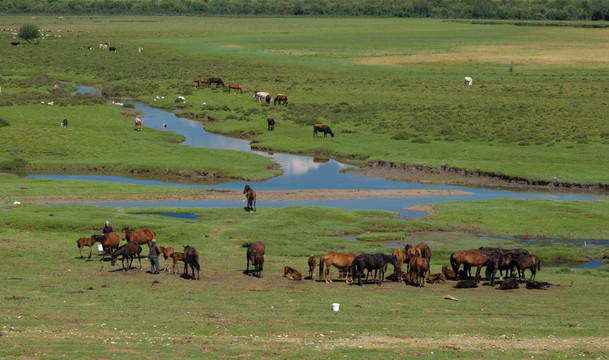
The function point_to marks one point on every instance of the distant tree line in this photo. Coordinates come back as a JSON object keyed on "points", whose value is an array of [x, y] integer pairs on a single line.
{"points": [[454, 9]]}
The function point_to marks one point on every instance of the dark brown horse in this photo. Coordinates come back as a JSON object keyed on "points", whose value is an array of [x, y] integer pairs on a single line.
{"points": [[143, 236], [191, 258], [250, 195], [270, 122], [409, 252], [340, 261], [82, 242], [325, 129], [399, 255], [235, 86], [419, 266], [424, 252], [312, 263], [216, 81], [200, 81], [255, 255], [177, 256], [128, 251], [280, 98], [109, 241]]}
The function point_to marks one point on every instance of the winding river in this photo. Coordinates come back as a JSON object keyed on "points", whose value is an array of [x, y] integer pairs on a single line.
{"points": [[300, 172]]}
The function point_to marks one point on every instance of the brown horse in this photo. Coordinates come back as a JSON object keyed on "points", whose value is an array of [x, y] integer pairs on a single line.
{"points": [[255, 255], [291, 274], [280, 98], [399, 255], [469, 258], [109, 241], [82, 242], [177, 256], [312, 263], [143, 236], [191, 258], [128, 251], [419, 266], [250, 195], [200, 81], [340, 261], [235, 86], [166, 251], [409, 252], [424, 251]]}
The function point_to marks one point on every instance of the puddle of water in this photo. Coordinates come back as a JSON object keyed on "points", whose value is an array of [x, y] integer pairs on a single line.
{"points": [[178, 216]]}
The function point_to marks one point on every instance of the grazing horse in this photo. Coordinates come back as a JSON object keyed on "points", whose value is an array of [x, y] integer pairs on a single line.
{"points": [[469, 259], [312, 263], [216, 81], [138, 124], [322, 128], [255, 255], [250, 195], [262, 96], [280, 98], [191, 258], [112, 48], [143, 236], [419, 266], [291, 274], [82, 242], [340, 261], [526, 261], [468, 80], [270, 122], [371, 262], [177, 256], [64, 123], [129, 251], [166, 251], [235, 86], [200, 81], [109, 241]]}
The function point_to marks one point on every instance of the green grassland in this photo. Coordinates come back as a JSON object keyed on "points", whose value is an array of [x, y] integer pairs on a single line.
{"points": [[391, 89], [58, 305]]}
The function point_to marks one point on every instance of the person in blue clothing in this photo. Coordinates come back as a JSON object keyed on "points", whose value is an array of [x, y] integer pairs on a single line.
{"points": [[107, 228], [153, 255]]}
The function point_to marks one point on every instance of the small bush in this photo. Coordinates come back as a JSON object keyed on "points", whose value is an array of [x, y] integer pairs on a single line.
{"points": [[4, 123], [14, 164]]}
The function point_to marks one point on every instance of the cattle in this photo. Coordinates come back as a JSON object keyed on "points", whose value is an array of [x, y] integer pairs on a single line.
{"points": [[435, 278], [291, 274], [325, 129], [448, 273], [468, 284], [270, 124], [509, 284], [312, 262], [64, 123]]}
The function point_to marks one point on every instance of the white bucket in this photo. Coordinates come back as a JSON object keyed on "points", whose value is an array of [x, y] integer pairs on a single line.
{"points": [[100, 247], [335, 306]]}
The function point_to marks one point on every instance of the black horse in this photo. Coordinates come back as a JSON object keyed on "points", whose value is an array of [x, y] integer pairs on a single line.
{"points": [[371, 262], [128, 251], [216, 81], [250, 195]]}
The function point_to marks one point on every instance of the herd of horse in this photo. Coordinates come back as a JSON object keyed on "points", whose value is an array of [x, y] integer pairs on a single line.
{"points": [[260, 95]]}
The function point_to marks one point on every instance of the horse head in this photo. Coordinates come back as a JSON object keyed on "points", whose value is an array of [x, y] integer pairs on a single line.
{"points": [[246, 189]]}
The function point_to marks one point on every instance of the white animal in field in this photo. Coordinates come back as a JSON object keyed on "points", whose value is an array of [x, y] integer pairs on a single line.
{"points": [[468, 80]]}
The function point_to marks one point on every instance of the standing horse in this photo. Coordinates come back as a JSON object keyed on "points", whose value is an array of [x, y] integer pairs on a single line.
{"points": [[409, 252], [109, 241], [82, 242], [167, 252], [235, 86], [216, 81], [250, 195], [424, 252], [470, 258], [200, 81], [270, 122], [262, 96], [371, 262], [312, 263], [143, 236], [340, 261], [191, 258], [419, 266], [399, 255], [468, 80], [255, 255], [280, 98], [138, 124], [129, 251]]}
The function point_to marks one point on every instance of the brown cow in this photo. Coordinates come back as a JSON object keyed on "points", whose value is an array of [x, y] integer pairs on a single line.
{"points": [[322, 128], [280, 98], [291, 274]]}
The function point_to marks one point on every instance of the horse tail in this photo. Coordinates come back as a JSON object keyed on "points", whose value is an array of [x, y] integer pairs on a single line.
{"points": [[78, 243], [353, 267], [192, 261]]}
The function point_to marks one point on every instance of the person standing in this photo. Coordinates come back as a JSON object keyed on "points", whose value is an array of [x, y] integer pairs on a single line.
{"points": [[153, 255], [107, 228]]}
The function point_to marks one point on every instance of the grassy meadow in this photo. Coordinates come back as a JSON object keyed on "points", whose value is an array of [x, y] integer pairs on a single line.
{"points": [[392, 90]]}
